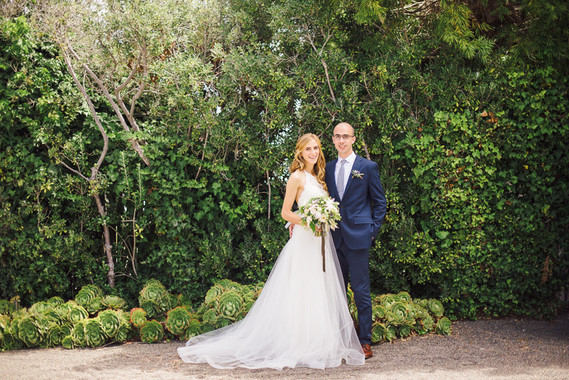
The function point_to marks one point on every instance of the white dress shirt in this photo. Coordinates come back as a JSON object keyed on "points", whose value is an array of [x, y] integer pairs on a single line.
{"points": [[347, 168]]}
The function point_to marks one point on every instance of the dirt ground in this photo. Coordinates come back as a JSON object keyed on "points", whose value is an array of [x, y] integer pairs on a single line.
{"points": [[509, 348]]}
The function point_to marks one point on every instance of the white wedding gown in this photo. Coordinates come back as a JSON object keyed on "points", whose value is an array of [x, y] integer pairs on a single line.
{"points": [[300, 319]]}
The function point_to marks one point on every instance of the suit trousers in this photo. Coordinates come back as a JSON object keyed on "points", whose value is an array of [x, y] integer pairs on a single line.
{"points": [[355, 269]]}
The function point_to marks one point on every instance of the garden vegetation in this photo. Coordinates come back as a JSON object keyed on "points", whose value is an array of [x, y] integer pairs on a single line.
{"points": [[151, 140]]}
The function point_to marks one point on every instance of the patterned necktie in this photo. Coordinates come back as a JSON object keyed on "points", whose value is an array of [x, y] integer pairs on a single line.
{"points": [[340, 178]]}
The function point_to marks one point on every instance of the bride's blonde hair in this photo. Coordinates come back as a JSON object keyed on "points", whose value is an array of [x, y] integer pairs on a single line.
{"points": [[299, 164]]}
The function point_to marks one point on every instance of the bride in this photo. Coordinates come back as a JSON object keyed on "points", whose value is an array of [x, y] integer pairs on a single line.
{"points": [[301, 317]]}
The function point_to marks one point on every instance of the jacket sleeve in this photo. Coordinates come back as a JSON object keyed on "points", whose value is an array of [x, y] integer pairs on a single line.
{"points": [[377, 198]]}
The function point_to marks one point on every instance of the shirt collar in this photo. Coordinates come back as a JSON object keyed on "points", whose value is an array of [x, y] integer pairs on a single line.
{"points": [[351, 158]]}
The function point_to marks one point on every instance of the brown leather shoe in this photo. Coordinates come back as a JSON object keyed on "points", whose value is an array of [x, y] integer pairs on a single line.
{"points": [[367, 351]]}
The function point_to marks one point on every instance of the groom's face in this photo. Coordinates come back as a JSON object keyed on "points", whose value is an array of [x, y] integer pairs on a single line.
{"points": [[343, 139]]}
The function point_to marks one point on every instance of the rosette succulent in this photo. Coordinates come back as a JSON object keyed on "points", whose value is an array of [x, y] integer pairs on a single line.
{"points": [[436, 307], [138, 317], [77, 313], [178, 320], [95, 305], [40, 307], [152, 290], [54, 335], [391, 333], [209, 316], [194, 328], [378, 332], [67, 342], [404, 331], [443, 326], [212, 295], [404, 297], [230, 304], [114, 302], [110, 322], [56, 301], [151, 307], [94, 336], [151, 332], [427, 323], [398, 313], [5, 307], [377, 312], [28, 331], [222, 321], [78, 334], [87, 293], [387, 299]]}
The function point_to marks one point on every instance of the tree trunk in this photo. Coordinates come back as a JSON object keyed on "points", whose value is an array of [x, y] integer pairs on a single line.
{"points": [[107, 244]]}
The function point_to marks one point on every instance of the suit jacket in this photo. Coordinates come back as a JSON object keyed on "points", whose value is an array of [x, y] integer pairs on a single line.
{"points": [[362, 207]]}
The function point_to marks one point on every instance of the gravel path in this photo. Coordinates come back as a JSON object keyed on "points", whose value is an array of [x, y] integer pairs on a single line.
{"points": [[507, 348]]}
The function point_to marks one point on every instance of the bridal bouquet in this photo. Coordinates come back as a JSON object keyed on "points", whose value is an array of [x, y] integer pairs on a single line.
{"points": [[318, 214]]}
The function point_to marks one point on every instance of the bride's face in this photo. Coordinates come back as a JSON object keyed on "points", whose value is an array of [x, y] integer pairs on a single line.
{"points": [[311, 152]]}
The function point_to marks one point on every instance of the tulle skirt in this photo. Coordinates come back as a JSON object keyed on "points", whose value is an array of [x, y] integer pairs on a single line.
{"points": [[300, 319]]}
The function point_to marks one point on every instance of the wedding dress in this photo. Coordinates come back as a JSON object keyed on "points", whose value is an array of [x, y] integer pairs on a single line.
{"points": [[300, 319]]}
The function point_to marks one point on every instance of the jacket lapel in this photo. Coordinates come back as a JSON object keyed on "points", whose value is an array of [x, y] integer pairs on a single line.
{"points": [[356, 166]]}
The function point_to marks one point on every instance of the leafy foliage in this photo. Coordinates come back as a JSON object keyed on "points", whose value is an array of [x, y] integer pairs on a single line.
{"points": [[462, 104]]}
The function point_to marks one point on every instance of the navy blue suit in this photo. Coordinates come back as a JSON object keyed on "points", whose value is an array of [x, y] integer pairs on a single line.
{"points": [[362, 208]]}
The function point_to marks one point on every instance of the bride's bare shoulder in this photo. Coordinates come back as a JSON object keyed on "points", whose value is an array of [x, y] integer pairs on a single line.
{"points": [[297, 179]]}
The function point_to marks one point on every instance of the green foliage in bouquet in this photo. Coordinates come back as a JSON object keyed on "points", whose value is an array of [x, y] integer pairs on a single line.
{"points": [[178, 320], [152, 331], [138, 317]]}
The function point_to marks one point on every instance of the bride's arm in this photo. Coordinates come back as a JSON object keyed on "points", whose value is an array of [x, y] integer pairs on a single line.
{"points": [[294, 185]]}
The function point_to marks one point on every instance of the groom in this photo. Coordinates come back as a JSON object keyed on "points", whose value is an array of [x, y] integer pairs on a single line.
{"points": [[355, 183]]}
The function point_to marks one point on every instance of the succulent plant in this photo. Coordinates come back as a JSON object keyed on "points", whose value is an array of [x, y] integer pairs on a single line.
{"points": [[87, 293], [114, 302], [152, 331], [110, 322], [67, 342], [94, 336], [78, 334], [436, 307], [138, 317], [443, 326], [230, 304], [28, 331], [178, 320]]}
